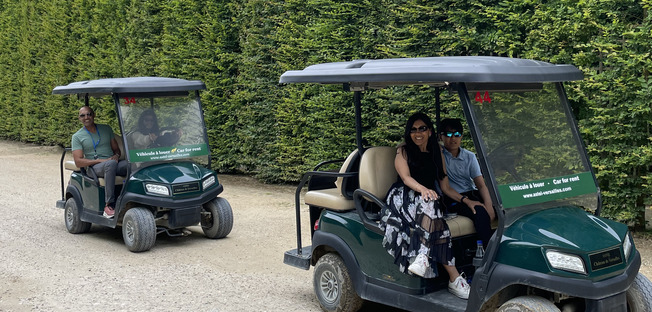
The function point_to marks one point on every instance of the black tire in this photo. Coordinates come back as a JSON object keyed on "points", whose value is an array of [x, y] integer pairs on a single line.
{"points": [[528, 304], [639, 295], [333, 285], [139, 229], [71, 216], [216, 218]]}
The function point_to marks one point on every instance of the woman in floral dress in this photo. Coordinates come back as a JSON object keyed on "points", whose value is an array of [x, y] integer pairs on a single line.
{"points": [[416, 233]]}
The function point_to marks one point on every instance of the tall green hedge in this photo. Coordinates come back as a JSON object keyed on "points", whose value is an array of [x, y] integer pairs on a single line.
{"points": [[239, 48]]}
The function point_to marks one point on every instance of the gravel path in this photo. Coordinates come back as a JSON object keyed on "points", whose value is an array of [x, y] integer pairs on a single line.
{"points": [[44, 268]]}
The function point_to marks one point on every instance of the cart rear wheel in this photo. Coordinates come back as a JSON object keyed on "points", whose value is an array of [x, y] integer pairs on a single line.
{"points": [[333, 285], [217, 218], [71, 215], [528, 304], [639, 295], [139, 229]]}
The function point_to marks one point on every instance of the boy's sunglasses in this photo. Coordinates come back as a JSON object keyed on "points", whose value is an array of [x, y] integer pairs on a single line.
{"points": [[456, 134], [420, 129]]}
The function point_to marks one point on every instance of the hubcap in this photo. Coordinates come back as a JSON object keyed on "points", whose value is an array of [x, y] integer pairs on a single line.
{"points": [[70, 217], [130, 230], [330, 288]]}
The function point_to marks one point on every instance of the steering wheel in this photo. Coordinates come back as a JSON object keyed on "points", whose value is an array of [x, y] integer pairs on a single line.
{"points": [[505, 157], [168, 136]]}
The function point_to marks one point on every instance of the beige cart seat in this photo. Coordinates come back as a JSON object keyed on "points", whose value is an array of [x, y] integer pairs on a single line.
{"points": [[378, 173], [333, 198]]}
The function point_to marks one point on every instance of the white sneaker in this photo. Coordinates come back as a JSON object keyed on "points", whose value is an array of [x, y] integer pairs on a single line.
{"points": [[419, 266], [459, 287]]}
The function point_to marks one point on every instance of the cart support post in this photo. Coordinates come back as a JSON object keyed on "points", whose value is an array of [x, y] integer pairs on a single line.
{"points": [[357, 96]]}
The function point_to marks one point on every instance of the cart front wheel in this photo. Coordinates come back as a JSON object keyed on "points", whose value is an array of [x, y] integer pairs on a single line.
{"points": [[333, 285], [139, 229], [71, 215], [639, 295], [216, 218], [528, 304]]}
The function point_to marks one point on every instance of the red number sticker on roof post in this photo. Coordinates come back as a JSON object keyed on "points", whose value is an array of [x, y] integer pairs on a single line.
{"points": [[130, 100], [482, 98]]}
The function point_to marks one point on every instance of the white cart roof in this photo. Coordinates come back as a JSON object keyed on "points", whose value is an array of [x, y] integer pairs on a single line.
{"points": [[130, 85], [434, 71]]}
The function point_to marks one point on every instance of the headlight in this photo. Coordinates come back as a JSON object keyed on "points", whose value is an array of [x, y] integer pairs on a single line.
{"points": [[566, 262], [157, 189], [627, 246], [208, 182]]}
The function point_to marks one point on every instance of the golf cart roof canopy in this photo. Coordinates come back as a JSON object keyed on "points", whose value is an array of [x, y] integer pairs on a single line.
{"points": [[433, 71], [129, 85]]}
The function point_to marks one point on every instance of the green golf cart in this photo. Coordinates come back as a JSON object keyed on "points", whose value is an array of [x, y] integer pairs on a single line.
{"points": [[550, 249], [168, 185]]}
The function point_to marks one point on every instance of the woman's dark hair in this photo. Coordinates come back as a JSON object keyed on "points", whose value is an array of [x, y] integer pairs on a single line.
{"points": [[412, 149], [141, 122]]}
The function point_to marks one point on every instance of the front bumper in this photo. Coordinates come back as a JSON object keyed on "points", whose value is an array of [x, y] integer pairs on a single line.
{"points": [[171, 203]]}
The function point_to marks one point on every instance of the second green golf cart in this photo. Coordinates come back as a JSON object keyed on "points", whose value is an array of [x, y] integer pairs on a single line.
{"points": [[169, 185], [551, 251]]}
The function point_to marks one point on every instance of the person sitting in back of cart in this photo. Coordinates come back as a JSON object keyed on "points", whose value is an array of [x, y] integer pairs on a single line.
{"points": [[465, 177], [413, 220], [148, 134], [94, 146]]}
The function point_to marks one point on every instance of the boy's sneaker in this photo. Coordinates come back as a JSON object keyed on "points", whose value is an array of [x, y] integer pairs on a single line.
{"points": [[459, 287], [108, 212], [419, 266]]}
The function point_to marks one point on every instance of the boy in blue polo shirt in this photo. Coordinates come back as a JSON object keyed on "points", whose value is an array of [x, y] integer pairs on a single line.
{"points": [[465, 177]]}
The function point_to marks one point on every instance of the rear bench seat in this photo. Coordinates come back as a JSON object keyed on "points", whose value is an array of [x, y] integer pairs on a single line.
{"points": [[377, 174], [333, 198], [70, 164]]}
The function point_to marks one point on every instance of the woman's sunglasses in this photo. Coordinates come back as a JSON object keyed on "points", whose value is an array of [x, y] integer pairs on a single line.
{"points": [[420, 129]]}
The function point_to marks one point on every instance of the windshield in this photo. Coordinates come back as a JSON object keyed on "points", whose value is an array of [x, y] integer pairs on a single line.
{"points": [[531, 150], [163, 127]]}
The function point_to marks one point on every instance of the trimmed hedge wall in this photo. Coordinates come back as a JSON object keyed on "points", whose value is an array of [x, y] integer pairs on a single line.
{"points": [[240, 48]]}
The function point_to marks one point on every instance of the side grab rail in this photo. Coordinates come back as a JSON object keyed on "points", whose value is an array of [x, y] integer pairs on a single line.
{"points": [[327, 162], [358, 196], [88, 174], [63, 155], [297, 196]]}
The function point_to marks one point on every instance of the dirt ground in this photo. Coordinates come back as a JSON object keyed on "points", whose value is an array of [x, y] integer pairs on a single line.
{"points": [[44, 268]]}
